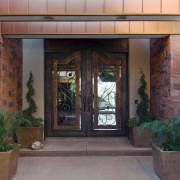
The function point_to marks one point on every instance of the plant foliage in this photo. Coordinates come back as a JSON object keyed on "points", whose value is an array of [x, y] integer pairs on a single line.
{"points": [[143, 106], [32, 108], [107, 76], [8, 127], [132, 122], [21, 121], [166, 133], [29, 97]]}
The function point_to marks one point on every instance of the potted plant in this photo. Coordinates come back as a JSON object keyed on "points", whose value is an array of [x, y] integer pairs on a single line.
{"points": [[9, 151], [137, 137], [32, 131], [166, 147]]}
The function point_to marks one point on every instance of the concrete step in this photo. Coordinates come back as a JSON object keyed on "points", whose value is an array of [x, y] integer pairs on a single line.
{"points": [[67, 147]]}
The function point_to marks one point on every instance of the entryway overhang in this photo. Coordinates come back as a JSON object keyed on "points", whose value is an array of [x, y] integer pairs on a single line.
{"points": [[98, 29], [89, 10], [89, 18]]}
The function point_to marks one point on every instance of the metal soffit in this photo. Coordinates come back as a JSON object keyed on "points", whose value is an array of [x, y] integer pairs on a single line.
{"points": [[90, 18]]}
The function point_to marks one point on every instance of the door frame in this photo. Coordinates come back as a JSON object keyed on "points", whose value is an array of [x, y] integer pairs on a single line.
{"points": [[49, 58]]}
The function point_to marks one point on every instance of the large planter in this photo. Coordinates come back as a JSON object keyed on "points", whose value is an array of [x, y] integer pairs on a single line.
{"points": [[8, 164], [166, 163], [140, 138], [29, 135]]}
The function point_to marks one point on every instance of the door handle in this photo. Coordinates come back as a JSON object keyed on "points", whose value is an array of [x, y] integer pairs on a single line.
{"points": [[84, 102], [89, 103]]}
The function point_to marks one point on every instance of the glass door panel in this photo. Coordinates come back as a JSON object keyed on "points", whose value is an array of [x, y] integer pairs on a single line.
{"points": [[67, 92], [106, 93]]}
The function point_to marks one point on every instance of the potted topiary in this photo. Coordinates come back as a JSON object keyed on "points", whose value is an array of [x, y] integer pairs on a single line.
{"points": [[166, 147], [137, 137], [9, 151], [32, 131]]}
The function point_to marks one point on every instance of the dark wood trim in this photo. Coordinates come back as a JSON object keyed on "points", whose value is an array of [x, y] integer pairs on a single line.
{"points": [[62, 46]]}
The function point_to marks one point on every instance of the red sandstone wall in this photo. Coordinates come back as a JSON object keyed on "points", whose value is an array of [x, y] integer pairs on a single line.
{"points": [[0, 28], [165, 77], [10, 74], [175, 73]]}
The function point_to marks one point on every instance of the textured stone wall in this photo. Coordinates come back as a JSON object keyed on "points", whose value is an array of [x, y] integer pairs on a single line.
{"points": [[10, 74], [165, 77], [175, 73]]}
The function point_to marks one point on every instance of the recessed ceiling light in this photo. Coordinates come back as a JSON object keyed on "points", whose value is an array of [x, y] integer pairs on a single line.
{"points": [[121, 17], [48, 18]]}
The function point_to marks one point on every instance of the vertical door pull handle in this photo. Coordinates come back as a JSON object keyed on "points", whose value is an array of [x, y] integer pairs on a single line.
{"points": [[84, 102], [89, 103]]}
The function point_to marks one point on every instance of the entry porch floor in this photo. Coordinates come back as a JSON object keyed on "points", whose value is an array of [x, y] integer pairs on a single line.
{"points": [[95, 146], [86, 159]]}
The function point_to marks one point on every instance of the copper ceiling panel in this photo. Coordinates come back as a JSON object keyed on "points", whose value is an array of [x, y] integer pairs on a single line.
{"points": [[4, 7], [38, 7], [56, 6], [20, 28], [35, 28], [75, 7], [49, 27], [89, 7], [98, 28], [113, 6], [18, 6]]}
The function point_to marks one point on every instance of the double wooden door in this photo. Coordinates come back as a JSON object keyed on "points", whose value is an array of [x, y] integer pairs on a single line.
{"points": [[87, 93]]}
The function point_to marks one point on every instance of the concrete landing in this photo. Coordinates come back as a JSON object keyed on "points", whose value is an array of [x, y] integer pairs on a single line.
{"points": [[86, 168], [109, 146]]}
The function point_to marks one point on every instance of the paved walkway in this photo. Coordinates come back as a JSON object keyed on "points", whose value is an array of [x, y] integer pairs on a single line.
{"points": [[86, 159], [86, 168]]}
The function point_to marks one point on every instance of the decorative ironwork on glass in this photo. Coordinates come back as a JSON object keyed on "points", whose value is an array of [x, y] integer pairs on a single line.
{"points": [[106, 95], [106, 102], [68, 88]]}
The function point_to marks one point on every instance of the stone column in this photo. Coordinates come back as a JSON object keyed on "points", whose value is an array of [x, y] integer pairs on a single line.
{"points": [[165, 77], [11, 74], [175, 74]]}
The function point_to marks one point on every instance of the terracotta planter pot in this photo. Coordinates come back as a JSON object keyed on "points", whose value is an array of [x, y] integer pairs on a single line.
{"points": [[140, 138], [29, 135], [8, 164], [166, 163]]}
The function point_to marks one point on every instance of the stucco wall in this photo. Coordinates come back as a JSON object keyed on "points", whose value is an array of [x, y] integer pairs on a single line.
{"points": [[33, 60], [139, 57]]}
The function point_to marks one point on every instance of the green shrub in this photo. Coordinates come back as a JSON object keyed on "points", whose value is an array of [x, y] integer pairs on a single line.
{"points": [[132, 122], [8, 128], [32, 108], [21, 121], [143, 107], [166, 133]]}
